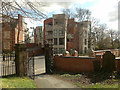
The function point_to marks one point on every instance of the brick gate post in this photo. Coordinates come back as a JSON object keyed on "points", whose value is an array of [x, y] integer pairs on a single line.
{"points": [[49, 63], [21, 59]]}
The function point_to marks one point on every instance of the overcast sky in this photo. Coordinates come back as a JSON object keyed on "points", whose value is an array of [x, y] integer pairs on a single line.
{"points": [[104, 10]]}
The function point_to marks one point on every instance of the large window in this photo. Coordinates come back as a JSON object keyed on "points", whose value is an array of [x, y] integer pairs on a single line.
{"points": [[55, 32], [76, 25], [85, 33], [61, 32], [55, 50], [61, 50], [55, 41], [61, 41]]}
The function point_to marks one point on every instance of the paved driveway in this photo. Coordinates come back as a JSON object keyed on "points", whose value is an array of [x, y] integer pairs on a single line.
{"points": [[39, 64], [43, 80]]}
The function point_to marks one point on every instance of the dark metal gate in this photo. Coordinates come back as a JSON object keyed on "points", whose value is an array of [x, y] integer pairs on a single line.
{"points": [[31, 64], [8, 64]]}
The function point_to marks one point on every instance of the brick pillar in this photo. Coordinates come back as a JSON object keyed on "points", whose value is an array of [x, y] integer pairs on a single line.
{"points": [[49, 62], [21, 59]]}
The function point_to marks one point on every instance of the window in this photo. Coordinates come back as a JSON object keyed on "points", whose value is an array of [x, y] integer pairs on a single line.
{"points": [[61, 32], [55, 50], [76, 25], [40, 30], [55, 32], [61, 50], [89, 28], [55, 41], [85, 49], [85, 41], [85, 33], [6, 34], [61, 41]]}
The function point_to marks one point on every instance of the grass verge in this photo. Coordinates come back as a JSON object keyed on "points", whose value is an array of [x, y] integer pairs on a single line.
{"points": [[18, 82], [91, 80]]}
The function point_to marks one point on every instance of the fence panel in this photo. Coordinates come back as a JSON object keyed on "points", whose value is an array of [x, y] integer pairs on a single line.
{"points": [[8, 64]]}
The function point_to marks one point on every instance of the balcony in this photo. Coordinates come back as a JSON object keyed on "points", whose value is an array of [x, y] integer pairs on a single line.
{"points": [[48, 27], [49, 36]]}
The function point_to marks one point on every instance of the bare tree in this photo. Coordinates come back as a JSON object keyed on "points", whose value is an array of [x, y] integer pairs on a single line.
{"points": [[100, 35], [92, 38], [112, 34], [26, 8], [82, 14], [68, 13], [113, 38], [79, 14]]}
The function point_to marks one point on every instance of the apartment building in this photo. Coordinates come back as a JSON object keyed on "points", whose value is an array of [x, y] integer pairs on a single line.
{"points": [[83, 36], [48, 31], [72, 35], [66, 34], [25, 32], [55, 32], [38, 37], [59, 33]]}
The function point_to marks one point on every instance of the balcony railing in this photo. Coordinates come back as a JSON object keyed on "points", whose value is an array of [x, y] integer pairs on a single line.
{"points": [[49, 36]]}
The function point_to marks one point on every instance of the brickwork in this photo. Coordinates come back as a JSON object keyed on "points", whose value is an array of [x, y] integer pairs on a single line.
{"points": [[47, 21], [81, 64], [74, 64], [9, 34], [37, 51]]}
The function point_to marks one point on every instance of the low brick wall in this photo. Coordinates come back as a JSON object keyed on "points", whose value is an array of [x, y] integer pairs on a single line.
{"points": [[31, 45], [35, 51], [75, 64]]}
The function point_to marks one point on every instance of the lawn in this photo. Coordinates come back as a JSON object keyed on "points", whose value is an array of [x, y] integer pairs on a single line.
{"points": [[18, 82], [91, 80]]}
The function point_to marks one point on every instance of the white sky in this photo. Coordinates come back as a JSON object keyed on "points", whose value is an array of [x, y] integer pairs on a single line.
{"points": [[104, 10]]}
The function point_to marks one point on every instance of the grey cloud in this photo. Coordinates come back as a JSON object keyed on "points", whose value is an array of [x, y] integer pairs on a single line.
{"points": [[113, 15], [62, 4]]}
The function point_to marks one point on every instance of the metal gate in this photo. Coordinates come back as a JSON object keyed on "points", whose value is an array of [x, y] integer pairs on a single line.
{"points": [[31, 64], [8, 64]]}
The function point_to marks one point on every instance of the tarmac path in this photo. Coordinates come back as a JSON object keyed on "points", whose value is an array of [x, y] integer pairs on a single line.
{"points": [[43, 80]]}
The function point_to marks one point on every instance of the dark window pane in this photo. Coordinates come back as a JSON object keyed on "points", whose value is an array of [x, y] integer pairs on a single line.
{"points": [[55, 50], [61, 41], [85, 42], [55, 41]]}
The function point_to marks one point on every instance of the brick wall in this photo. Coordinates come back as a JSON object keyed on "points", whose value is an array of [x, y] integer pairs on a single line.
{"points": [[31, 45], [36, 51], [74, 64], [10, 33], [72, 29], [80, 64], [8, 38]]}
